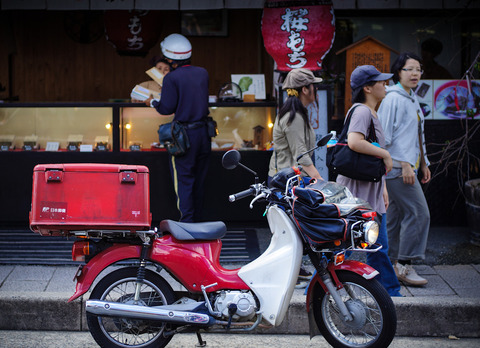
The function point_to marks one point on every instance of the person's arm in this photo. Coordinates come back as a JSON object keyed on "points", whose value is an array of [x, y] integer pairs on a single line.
{"points": [[295, 134], [385, 196], [423, 165], [357, 142], [168, 104], [312, 172], [386, 116], [148, 102], [408, 173]]}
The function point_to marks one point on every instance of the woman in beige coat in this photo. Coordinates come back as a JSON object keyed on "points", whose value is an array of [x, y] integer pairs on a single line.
{"points": [[292, 133]]}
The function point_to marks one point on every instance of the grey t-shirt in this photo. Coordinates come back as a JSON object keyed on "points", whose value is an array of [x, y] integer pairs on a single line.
{"points": [[372, 192]]}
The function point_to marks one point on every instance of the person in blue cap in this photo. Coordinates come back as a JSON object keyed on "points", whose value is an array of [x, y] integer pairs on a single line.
{"points": [[368, 89]]}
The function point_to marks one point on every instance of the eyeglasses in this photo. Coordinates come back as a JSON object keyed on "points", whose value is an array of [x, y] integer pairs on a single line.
{"points": [[411, 70]]}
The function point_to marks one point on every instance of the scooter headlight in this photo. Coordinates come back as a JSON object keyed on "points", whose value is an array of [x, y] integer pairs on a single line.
{"points": [[370, 230]]}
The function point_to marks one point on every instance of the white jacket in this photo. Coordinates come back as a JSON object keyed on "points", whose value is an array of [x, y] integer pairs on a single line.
{"points": [[399, 113]]}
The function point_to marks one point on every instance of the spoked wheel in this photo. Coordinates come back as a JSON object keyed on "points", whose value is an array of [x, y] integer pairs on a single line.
{"points": [[119, 286], [374, 318]]}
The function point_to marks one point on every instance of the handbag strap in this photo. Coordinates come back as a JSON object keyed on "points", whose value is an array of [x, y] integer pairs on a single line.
{"points": [[342, 138], [372, 135]]}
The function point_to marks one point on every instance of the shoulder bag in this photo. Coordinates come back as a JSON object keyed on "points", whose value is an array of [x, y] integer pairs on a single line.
{"points": [[174, 138], [212, 127], [354, 165]]}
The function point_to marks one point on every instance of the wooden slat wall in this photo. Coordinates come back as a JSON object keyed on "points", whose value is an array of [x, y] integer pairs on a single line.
{"points": [[49, 66]]}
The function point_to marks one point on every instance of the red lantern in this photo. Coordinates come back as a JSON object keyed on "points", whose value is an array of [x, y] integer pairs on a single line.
{"points": [[298, 36], [133, 33]]}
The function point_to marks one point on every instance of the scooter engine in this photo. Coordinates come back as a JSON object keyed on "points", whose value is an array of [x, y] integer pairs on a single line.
{"points": [[239, 305]]}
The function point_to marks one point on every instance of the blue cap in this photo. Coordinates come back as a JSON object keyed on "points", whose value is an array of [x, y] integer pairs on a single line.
{"points": [[364, 74]]}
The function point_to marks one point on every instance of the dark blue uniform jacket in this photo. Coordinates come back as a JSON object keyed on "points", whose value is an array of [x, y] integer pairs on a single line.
{"points": [[185, 93]]}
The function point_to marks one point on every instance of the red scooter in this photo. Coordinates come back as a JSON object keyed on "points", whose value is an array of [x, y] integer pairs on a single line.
{"points": [[169, 281]]}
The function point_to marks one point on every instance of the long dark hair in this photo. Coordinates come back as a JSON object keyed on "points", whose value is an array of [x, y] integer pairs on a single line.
{"points": [[293, 105], [400, 63]]}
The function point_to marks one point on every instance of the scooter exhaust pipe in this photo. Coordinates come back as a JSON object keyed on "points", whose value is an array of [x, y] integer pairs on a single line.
{"points": [[116, 309]]}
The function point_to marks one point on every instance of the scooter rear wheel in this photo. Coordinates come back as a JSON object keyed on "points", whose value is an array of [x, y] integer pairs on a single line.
{"points": [[374, 317], [119, 286]]}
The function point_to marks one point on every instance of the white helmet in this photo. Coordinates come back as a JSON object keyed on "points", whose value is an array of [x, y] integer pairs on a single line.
{"points": [[176, 47]]}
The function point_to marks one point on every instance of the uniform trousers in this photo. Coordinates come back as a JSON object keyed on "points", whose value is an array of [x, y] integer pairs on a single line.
{"points": [[408, 220], [189, 173]]}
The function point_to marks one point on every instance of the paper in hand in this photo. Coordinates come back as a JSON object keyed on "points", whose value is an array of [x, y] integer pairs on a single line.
{"points": [[142, 93], [155, 75]]}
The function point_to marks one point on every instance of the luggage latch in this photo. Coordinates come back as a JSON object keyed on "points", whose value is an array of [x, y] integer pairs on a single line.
{"points": [[54, 175], [128, 177]]}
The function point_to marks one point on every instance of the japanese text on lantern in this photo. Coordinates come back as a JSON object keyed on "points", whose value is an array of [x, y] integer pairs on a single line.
{"points": [[294, 22], [135, 27]]}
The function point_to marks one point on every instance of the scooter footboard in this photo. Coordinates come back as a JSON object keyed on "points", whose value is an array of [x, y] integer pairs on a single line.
{"points": [[87, 274]]}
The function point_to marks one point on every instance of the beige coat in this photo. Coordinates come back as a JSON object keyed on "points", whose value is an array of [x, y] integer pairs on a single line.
{"points": [[290, 141]]}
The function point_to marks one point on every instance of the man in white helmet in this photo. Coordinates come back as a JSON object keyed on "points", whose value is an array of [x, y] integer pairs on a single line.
{"points": [[185, 94]]}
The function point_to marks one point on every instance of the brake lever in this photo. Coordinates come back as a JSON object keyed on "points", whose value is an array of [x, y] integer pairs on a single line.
{"points": [[261, 195]]}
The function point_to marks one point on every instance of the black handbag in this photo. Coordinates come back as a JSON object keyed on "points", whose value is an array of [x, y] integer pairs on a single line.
{"points": [[174, 138], [343, 160]]}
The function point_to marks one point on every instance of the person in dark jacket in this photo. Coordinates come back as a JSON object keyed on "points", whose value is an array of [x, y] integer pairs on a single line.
{"points": [[185, 94]]}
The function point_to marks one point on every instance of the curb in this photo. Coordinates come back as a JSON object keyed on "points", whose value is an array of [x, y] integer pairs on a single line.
{"points": [[417, 316]]}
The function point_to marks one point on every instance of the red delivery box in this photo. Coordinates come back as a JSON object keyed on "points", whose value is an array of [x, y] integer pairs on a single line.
{"points": [[89, 196]]}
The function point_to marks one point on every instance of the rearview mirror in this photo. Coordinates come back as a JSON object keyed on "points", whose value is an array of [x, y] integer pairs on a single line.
{"points": [[231, 159], [324, 140]]}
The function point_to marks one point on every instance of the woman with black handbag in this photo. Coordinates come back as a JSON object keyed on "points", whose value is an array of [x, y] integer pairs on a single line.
{"points": [[368, 89]]}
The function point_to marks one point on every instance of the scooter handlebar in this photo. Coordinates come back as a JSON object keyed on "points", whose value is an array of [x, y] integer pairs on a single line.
{"points": [[236, 196]]}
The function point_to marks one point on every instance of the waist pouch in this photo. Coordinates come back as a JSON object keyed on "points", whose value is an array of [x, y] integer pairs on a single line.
{"points": [[212, 127], [174, 138]]}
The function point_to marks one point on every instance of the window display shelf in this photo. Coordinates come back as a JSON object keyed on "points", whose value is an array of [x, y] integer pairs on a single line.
{"points": [[119, 127]]}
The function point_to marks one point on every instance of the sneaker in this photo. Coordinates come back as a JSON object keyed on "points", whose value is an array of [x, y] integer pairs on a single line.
{"points": [[407, 274], [304, 274], [301, 284]]}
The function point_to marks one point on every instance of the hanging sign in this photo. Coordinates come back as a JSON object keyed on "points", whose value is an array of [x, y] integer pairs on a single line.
{"points": [[132, 33], [297, 33]]}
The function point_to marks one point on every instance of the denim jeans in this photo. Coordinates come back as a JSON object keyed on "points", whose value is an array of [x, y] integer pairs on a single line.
{"points": [[381, 262]]}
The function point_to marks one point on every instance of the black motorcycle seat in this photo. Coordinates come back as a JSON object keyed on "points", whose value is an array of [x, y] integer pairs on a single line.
{"points": [[194, 230]]}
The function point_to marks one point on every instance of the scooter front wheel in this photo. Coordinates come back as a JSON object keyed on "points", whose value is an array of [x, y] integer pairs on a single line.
{"points": [[374, 317], [115, 332]]}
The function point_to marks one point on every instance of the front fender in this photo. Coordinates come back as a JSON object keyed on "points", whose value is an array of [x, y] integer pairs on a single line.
{"points": [[101, 261], [360, 268]]}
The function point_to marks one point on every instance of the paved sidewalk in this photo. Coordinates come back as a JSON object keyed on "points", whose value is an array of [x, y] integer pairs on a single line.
{"points": [[35, 297]]}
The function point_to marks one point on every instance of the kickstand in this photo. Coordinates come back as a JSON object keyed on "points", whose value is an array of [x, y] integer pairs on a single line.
{"points": [[201, 343]]}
